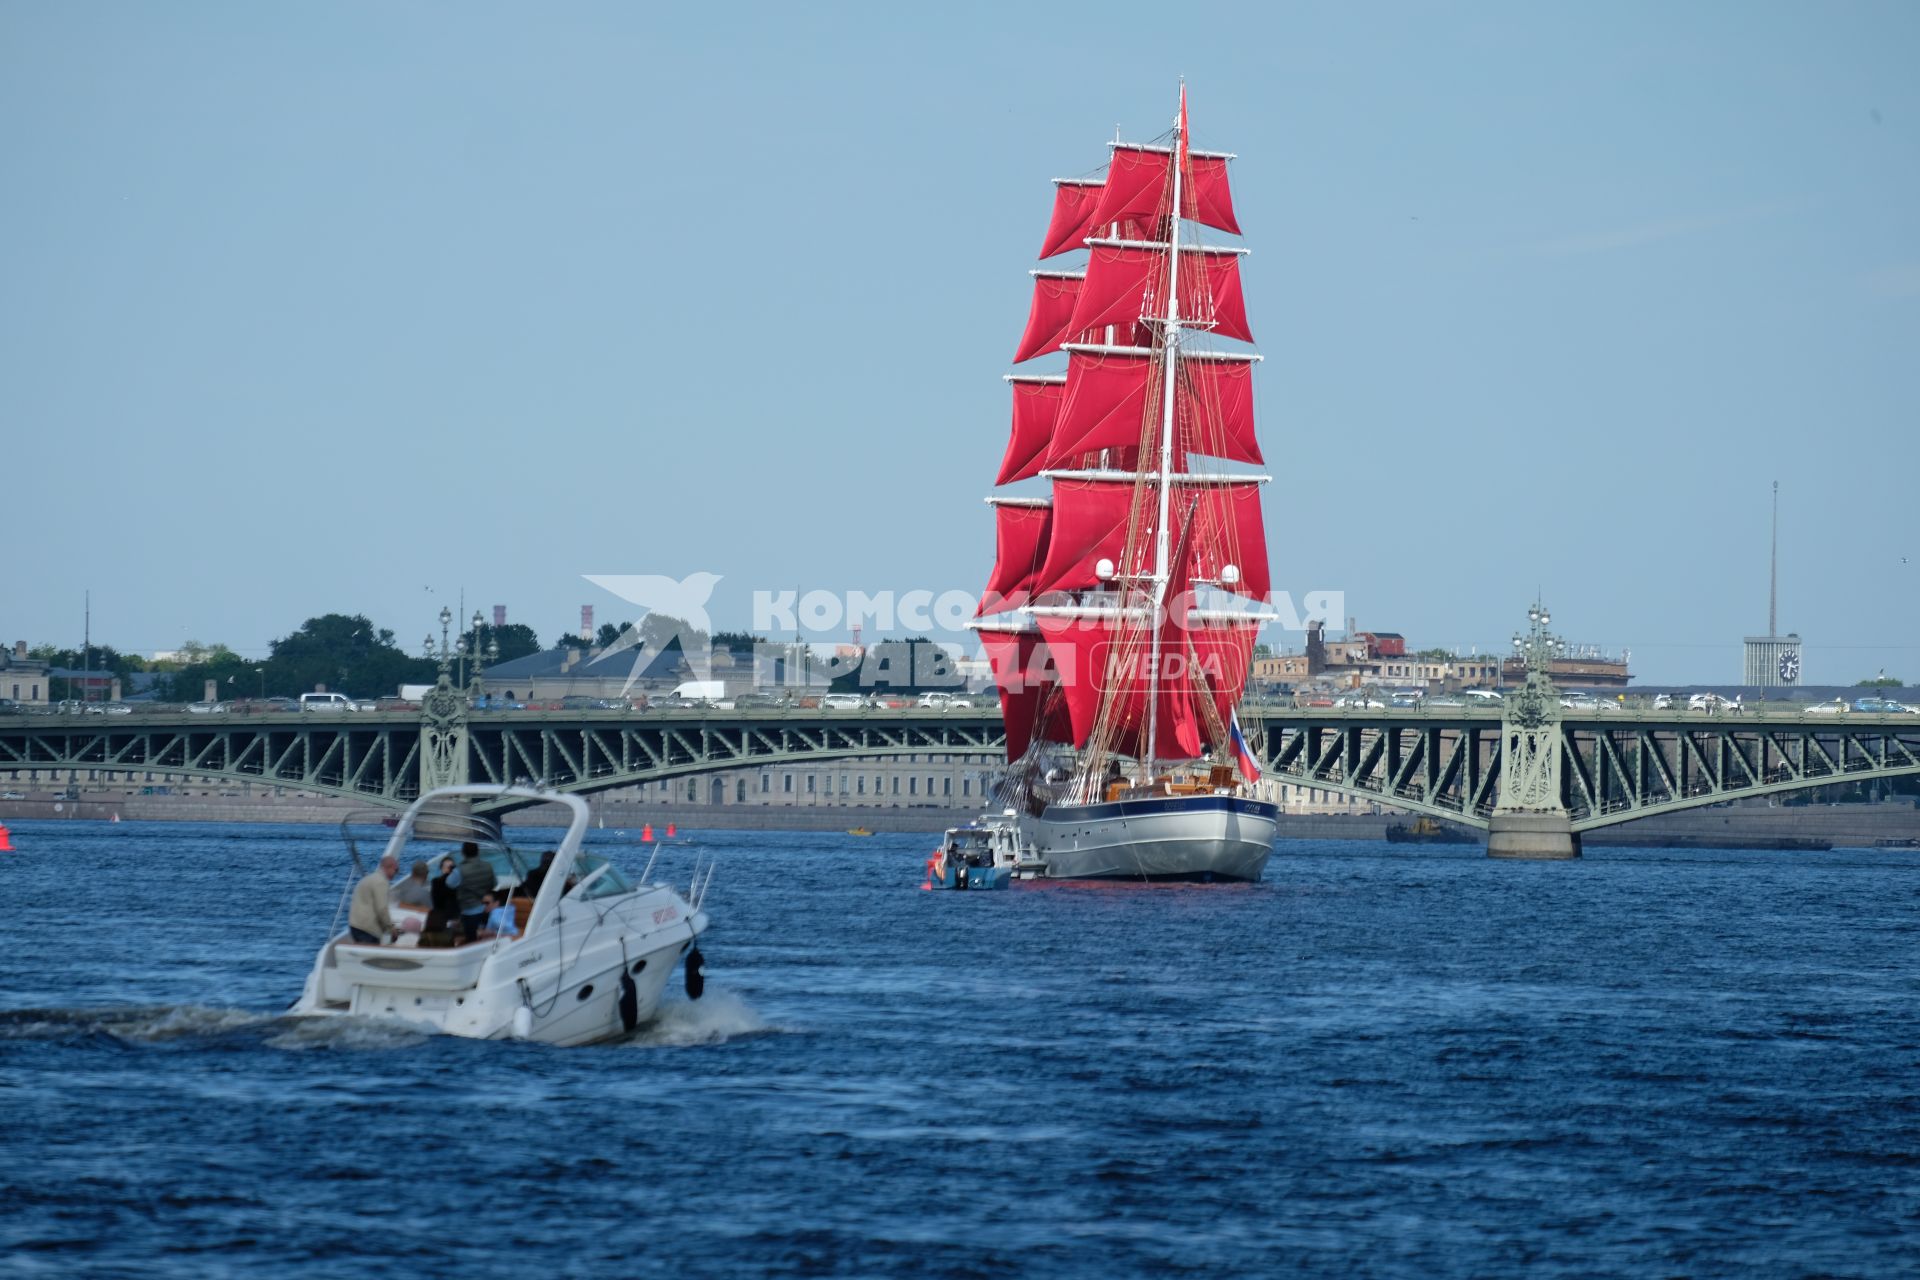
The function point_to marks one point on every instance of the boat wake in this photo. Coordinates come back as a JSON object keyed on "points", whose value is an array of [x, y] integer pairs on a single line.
{"points": [[150, 1024], [306, 1034], [715, 1019]]}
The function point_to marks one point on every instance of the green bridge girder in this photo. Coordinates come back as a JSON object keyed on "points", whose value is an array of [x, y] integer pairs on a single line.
{"points": [[1615, 766], [1444, 762], [376, 757]]}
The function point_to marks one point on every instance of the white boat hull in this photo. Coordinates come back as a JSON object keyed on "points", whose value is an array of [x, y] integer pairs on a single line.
{"points": [[1201, 838], [476, 991]]}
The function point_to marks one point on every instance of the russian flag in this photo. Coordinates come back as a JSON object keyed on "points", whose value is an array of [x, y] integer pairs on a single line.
{"points": [[1249, 767]]}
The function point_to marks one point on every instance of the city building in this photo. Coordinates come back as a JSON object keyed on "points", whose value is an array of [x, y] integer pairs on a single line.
{"points": [[25, 680], [1368, 659]]}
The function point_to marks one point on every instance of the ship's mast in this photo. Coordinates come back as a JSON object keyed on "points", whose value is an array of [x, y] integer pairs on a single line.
{"points": [[1162, 548]]}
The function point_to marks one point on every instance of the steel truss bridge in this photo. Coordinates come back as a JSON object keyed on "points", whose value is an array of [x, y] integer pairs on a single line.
{"points": [[388, 759], [1613, 766], [1444, 761]]}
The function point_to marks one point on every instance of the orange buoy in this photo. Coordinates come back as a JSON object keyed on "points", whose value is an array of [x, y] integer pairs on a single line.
{"points": [[6, 841], [669, 831], [646, 833]]}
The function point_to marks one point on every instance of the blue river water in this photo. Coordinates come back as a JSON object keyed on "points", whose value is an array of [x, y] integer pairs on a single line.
{"points": [[1381, 1061]]}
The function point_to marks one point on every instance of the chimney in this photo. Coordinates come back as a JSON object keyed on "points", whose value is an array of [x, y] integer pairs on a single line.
{"points": [[210, 693], [20, 649], [586, 622], [113, 694], [568, 658], [499, 616]]}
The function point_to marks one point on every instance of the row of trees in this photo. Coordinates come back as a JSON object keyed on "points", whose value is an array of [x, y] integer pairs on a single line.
{"points": [[343, 652]]}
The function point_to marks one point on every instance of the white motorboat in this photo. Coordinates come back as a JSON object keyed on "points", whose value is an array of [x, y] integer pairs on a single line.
{"points": [[593, 957]]}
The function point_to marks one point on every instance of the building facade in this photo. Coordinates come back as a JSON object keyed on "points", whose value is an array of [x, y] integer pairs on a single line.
{"points": [[27, 681], [1773, 662]]}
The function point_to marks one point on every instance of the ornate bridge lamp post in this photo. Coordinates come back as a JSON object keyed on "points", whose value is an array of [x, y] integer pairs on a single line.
{"points": [[443, 717], [476, 687], [1529, 819]]}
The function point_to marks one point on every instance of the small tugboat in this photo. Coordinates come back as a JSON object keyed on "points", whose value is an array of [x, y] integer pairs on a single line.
{"points": [[1429, 831], [985, 854], [590, 961]]}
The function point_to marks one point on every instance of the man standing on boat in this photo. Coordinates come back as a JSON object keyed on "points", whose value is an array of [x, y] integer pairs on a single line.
{"points": [[370, 920], [476, 881]]}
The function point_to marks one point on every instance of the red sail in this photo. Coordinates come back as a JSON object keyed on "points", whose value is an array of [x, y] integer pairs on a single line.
{"points": [[1123, 286], [1020, 545], [1054, 299], [1136, 190], [1030, 705], [1211, 291], [1036, 408], [1089, 525], [1136, 187], [1073, 206], [1091, 655], [1228, 530], [1106, 406], [1214, 407], [1090, 519], [1211, 202]]}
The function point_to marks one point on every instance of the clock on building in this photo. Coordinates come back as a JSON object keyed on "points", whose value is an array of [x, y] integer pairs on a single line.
{"points": [[1790, 665]]}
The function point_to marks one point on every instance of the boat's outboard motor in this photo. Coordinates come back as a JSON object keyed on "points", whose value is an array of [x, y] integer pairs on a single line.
{"points": [[629, 1002], [696, 979]]}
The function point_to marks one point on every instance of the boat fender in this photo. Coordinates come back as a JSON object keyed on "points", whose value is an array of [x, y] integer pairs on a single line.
{"points": [[629, 1002], [523, 1023], [696, 979]]}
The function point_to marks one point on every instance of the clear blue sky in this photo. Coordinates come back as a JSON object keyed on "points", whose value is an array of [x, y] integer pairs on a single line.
{"points": [[309, 308]]}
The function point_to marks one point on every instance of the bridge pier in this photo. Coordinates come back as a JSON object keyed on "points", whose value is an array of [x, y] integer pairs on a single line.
{"points": [[1531, 820], [1541, 836]]}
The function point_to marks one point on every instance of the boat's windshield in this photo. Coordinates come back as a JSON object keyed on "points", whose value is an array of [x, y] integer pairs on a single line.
{"points": [[607, 885], [966, 840]]}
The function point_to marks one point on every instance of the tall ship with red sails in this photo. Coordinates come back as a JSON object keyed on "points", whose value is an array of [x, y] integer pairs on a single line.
{"points": [[1121, 614]]}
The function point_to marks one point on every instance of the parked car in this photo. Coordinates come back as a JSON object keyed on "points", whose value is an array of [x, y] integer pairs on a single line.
{"points": [[1713, 704], [325, 702], [674, 702], [8, 707]]}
